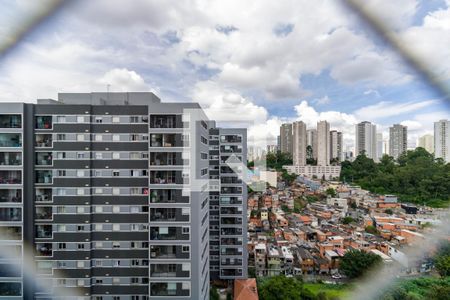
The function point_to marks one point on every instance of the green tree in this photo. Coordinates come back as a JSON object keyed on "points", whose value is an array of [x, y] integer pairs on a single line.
{"points": [[283, 288], [331, 192], [348, 220], [442, 264], [214, 294], [356, 263], [389, 211], [371, 229]]}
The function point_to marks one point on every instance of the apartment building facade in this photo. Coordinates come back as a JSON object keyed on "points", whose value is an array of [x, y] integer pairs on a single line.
{"points": [[114, 200], [228, 203], [398, 140]]}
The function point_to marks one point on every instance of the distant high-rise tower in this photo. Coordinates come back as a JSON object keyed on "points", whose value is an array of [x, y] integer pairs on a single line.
{"points": [[311, 140], [299, 143], [336, 145], [286, 138], [427, 142], [442, 140], [398, 140], [323, 143], [380, 142], [366, 141]]}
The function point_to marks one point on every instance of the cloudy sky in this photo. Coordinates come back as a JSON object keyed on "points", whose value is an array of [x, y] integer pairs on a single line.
{"points": [[263, 62]]}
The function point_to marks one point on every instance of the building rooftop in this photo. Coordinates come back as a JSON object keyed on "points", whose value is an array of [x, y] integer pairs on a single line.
{"points": [[245, 289]]}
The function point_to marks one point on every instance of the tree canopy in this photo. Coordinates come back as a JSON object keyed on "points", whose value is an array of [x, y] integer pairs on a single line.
{"points": [[415, 177], [356, 263], [283, 288]]}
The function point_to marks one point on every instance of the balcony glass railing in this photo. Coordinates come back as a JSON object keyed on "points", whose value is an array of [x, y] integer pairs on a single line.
{"points": [[11, 232], [10, 121], [44, 122], [10, 214], [10, 177], [10, 158], [44, 158], [43, 195], [43, 140], [10, 140], [44, 249], [43, 231], [44, 213], [163, 121], [11, 195], [44, 176]]}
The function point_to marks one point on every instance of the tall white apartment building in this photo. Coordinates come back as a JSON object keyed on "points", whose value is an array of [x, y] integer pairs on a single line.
{"points": [[336, 145], [299, 143], [442, 140], [323, 143], [311, 140], [398, 140], [427, 142], [366, 140]]}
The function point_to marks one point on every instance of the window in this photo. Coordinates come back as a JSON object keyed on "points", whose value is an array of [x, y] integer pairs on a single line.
{"points": [[186, 230], [185, 249], [80, 155], [116, 227], [98, 120], [80, 192], [185, 211], [116, 209], [116, 173], [116, 137], [62, 245], [80, 264], [80, 209], [80, 173], [116, 155], [80, 246], [116, 120], [98, 137], [80, 282], [116, 191], [80, 137], [186, 267], [80, 119], [80, 228], [204, 155]]}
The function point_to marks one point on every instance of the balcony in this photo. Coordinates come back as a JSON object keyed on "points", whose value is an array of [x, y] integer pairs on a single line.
{"points": [[230, 221], [11, 195], [231, 241], [43, 195], [44, 176], [231, 149], [44, 213], [43, 249], [44, 122], [231, 262], [165, 140], [10, 158], [230, 200], [43, 141], [231, 231], [231, 190], [10, 177], [231, 139], [168, 270], [169, 252], [10, 121], [230, 211], [235, 159], [165, 121], [231, 272], [11, 140], [168, 215], [11, 289], [11, 233], [10, 214], [230, 251], [167, 233], [165, 159], [166, 177], [230, 180], [44, 159], [168, 196], [43, 231], [161, 289]]}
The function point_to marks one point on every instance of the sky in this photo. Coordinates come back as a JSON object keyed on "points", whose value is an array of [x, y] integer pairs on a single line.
{"points": [[256, 63]]}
